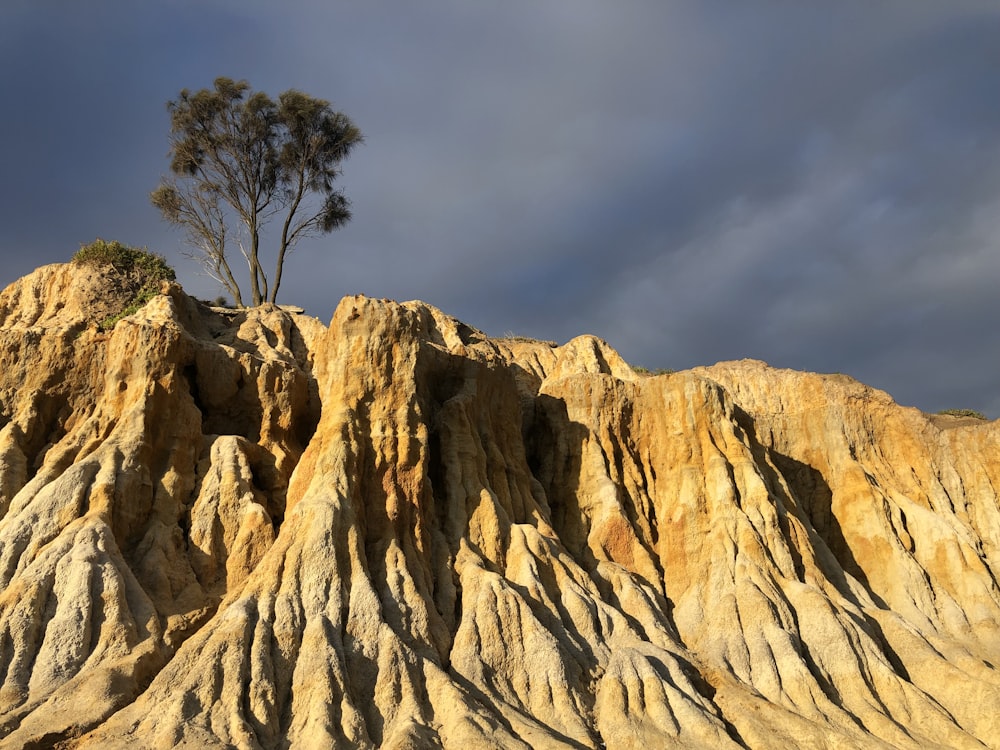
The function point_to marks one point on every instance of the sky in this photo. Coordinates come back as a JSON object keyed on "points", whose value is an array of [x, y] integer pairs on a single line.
{"points": [[813, 184]]}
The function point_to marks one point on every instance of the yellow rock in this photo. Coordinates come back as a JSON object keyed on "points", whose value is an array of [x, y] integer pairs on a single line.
{"points": [[247, 529]]}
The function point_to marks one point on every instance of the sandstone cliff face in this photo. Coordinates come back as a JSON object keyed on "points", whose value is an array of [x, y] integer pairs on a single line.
{"points": [[251, 530]]}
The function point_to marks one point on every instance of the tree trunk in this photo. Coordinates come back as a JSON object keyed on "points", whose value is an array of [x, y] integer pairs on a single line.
{"points": [[255, 271]]}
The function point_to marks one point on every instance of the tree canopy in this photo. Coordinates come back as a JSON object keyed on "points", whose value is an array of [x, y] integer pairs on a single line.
{"points": [[240, 160]]}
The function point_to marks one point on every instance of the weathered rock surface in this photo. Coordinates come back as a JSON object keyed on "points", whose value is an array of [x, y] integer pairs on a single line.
{"points": [[251, 530]]}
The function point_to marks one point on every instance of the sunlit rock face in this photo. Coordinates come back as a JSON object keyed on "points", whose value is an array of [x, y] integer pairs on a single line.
{"points": [[247, 529]]}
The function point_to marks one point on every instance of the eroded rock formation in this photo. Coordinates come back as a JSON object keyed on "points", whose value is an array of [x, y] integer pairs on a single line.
{"points": [[247, 529]]}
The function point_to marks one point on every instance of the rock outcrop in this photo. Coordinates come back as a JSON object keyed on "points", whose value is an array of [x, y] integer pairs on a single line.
{"points": [[247, 529]]}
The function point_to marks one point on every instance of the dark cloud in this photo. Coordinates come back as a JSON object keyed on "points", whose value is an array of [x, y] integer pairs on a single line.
{"points": [[813, 185]]}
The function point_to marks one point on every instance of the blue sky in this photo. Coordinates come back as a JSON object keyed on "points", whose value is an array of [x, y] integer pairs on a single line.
{"points": [[813, 184]]}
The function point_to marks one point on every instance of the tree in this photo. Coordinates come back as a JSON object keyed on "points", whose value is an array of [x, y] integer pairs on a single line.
{"points": [[238, 156]]}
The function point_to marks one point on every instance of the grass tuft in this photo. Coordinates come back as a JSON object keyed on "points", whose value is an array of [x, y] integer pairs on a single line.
{"points": [[652, 373], [963, 413], [136, 272]]}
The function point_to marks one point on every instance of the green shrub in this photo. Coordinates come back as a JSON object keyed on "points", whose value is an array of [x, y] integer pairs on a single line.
{"points": [[513, 337], [129, 261], [658, 371], [963, 413], [135, 273]]}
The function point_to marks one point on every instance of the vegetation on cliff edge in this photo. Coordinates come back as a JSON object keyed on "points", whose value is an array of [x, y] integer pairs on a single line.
{"points": [[136, 274]]}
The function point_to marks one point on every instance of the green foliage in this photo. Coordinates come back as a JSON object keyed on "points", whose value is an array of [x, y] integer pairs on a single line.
{"points": [[125, 260], [137, 304], [135, 272], [658, 371], [237, 156], [963, 413], [513, 337]]}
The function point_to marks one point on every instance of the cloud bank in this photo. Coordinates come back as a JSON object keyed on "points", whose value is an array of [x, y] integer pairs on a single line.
{"points": [[813, 186]]}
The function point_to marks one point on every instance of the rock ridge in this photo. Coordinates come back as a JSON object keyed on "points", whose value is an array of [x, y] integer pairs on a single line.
{"points": [[248, 529]]}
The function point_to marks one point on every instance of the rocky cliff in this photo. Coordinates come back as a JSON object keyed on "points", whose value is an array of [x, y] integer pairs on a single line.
{"points": [[247, 529]]}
